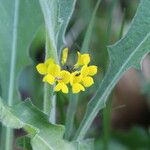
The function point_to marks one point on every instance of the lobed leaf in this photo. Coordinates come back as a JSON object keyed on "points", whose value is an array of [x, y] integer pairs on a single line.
{"points": [[43, 135], [126, 53]]}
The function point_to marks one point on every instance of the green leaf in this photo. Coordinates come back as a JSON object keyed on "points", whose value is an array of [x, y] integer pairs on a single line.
{"points": [[20, 21], [57, 14], [87, 144], [43, 135], [126, 53]]}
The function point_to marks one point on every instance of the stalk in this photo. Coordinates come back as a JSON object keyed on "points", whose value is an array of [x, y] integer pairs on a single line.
{"points": [[49, 105], [73, 102]]}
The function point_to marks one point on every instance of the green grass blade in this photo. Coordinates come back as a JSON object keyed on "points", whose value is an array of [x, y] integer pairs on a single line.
{"points": [[87, 38], [126, 53]]}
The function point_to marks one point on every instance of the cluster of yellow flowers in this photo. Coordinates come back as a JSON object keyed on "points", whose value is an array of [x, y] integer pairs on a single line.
{"points": [[79, 78]]}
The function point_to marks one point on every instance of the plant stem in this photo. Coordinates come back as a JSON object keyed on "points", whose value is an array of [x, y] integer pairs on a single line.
{"points": [[51, 52], [106, 124], [49, 97], [49, 102], [73, 102]]}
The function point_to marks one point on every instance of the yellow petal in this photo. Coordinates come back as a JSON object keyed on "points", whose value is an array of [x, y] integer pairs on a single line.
{"points": [[75, 77], [86, 59], [54, 70], [49, 78], [64, 88], [77, 87], [61, 86], [64, 56], [57, 87], [41, 68], [83, 59], [49, 61], [87, 81], [65, 76], [85, 71], [92, 70]]}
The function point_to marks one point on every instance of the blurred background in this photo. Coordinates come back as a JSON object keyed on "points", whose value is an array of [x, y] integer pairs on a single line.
{"points": [[124, 123]]}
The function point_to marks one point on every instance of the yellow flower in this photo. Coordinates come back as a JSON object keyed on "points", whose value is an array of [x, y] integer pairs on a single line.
{"points": [[79, 79], [76, 77], [87, 72], [42, 67], [53, 71], [87, 81], [63, 79], [83, 59], [64, 56], [75, 81], [64, 76], [49, 78]]}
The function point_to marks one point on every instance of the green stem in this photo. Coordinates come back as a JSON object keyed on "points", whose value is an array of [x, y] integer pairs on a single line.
{"points": [[106, 124], [49, 97], [49, 102], [51, 52], [73, 102]]}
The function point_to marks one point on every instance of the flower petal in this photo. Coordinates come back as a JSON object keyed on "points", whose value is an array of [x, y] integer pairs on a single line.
{"points": [[54, 70], [64, 88], [49, 78], [83, 59], [75, 77], [61, 86], [92, 70], [65, 75], [77, 87], [64, 56], [87, 81], [86, 59], [49, 61], [57, 87], [85, 71], [41, 68]]}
